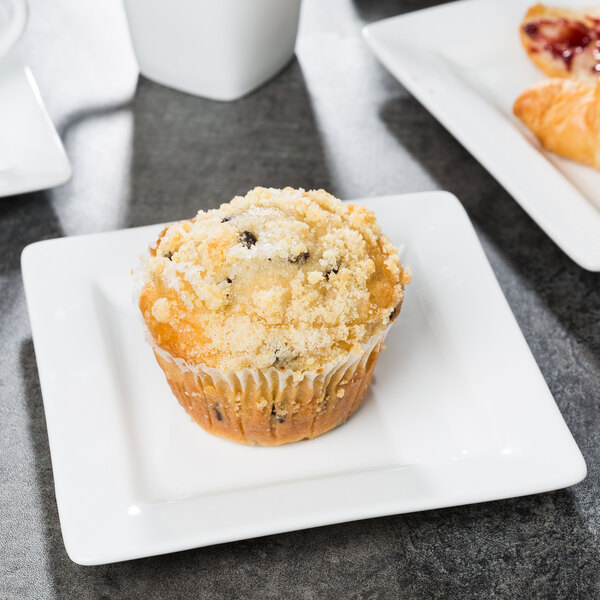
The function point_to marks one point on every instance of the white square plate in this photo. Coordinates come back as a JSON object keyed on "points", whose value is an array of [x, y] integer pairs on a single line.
{"points": [[464, 62], [458, 411], [31, 154]]}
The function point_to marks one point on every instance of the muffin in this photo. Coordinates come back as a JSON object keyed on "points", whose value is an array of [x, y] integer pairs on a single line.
{"points": [[267, 315]]}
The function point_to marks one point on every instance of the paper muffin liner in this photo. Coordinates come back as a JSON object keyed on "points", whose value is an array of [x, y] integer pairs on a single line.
{"points": [[271, 406]]}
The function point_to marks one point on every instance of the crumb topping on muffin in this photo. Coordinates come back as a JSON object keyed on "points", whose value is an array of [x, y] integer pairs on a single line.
{"points": [[283, 278]]}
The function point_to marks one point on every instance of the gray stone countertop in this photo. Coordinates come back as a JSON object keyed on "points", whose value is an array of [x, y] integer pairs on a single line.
{"points": [[335, 119]]}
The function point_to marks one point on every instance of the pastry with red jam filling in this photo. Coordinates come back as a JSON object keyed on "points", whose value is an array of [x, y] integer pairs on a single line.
{"points": [[563, 42]]}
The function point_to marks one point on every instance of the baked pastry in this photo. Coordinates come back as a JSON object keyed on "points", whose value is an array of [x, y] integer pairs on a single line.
{"points": [[563, 42], [565, 116], [267, 315]]}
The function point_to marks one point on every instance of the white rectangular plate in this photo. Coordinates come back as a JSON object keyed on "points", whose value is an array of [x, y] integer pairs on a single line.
{"points": [[464, 62], [458, 411], [31, 154]]}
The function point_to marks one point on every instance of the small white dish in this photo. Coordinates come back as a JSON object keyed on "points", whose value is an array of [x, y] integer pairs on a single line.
{"points": [[32, 156], [464, 62], [458, 411]]}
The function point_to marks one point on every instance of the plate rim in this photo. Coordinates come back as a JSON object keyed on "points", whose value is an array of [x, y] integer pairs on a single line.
{"points": [[407, 77]]}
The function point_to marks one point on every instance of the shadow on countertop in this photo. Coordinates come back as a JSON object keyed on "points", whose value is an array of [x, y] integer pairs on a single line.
{"points": [[370, 11], [190, 153], [474, 554], [25, 219]]}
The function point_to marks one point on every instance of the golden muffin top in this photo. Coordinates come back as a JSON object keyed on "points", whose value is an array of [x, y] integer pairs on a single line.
{"points": [[283, 278]]}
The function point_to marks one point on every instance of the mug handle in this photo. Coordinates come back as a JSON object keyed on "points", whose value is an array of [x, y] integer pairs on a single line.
{"points": [[10, 36]]}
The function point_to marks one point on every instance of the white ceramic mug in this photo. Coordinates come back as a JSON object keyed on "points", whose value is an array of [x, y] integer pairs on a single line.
{"points": [[13, 18], [219, 49]]}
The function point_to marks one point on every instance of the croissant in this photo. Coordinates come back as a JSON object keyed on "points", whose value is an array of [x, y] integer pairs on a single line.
{"points": [[563, 42], [564, 115]]}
